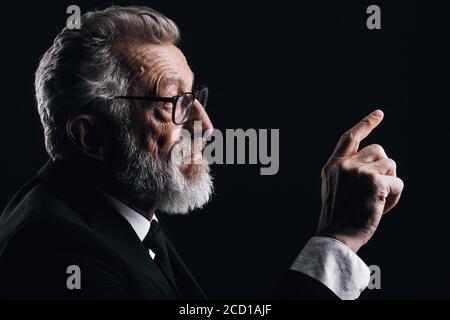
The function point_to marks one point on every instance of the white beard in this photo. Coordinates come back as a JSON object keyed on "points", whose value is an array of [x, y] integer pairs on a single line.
{"points": [[160, 181]]}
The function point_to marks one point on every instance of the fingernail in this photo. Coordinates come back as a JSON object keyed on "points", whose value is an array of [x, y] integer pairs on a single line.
{"points": [[377, 113]]}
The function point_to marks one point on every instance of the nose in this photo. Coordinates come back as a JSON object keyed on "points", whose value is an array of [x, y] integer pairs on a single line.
{"points": [[199, 114]]}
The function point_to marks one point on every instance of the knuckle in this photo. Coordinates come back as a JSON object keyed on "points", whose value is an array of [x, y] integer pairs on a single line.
{"points": [[402, 184], [348, 136], [345, 165], [377, 149], [392, 164]]}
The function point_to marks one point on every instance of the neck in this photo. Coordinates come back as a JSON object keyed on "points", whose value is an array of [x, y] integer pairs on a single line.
{"points": [[146, 209], [99, 175]]}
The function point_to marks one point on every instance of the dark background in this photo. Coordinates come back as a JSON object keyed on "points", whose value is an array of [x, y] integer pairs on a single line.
{"points": [[311, 69]]}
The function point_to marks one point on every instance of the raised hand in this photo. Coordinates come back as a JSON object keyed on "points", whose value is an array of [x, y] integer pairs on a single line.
{"points": [[358, 187]]}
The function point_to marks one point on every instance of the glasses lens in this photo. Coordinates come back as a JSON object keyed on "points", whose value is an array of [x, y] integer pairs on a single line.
{"points": [[183, 108], [203, 97]]}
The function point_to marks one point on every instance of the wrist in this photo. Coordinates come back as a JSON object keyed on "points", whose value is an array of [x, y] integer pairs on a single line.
{"points": [[352, 242]]}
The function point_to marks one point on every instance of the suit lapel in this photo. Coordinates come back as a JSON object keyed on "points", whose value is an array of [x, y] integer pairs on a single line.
{"points": [[186, 283]]}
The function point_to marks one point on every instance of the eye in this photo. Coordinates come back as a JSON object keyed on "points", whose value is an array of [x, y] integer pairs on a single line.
{"points": [[167, 106]]}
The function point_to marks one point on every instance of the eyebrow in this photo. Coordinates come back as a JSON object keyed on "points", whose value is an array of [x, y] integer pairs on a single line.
{"points": [[177, 82], [172, 81]]}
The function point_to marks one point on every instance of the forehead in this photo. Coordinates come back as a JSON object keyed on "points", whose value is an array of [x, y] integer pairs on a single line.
{"points": [[159, 64]]}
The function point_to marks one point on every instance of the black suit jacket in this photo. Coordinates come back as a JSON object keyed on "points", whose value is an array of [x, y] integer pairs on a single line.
{"points": [[56, 221]]}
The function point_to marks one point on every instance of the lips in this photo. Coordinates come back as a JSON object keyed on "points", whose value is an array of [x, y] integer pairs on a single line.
{"points": [[189, 152], [193, 158]]}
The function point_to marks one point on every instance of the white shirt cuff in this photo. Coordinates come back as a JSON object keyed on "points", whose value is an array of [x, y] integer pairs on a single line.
{"points": [[335, 265]]}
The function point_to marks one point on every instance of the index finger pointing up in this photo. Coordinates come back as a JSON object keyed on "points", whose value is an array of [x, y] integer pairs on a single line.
{"points": [[349, 142]]}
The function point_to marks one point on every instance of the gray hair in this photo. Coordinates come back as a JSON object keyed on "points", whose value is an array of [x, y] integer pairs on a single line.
{"points": [[82, 70]]}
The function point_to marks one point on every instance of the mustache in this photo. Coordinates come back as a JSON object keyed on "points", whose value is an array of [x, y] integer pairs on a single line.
{"points": [[184, 148]]}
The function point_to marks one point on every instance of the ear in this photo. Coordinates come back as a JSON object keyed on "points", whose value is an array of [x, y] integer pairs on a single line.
{"points": [[89, 136]]}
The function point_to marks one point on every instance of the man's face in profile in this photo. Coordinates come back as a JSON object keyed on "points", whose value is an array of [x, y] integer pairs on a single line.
{"points": [[145, 160]]}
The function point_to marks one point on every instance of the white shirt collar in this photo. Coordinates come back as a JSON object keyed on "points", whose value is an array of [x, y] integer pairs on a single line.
{"points": [[138, 222]]}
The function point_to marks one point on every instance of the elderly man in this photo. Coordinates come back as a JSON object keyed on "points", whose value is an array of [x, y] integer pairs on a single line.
{"points": [[114, 98]]}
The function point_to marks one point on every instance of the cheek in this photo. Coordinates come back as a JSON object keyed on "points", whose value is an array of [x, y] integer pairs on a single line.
{"points": [[159, 134]]}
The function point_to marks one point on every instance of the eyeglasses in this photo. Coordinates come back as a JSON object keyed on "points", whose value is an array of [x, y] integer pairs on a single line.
{"points": [[181, 105]]}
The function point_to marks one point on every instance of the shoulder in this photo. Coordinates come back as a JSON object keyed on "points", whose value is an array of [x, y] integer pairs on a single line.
{"points": [[41, 255], [41, 226]]}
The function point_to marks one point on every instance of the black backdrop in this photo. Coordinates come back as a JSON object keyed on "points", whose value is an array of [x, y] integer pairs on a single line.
{"points": [[310, 69]]}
